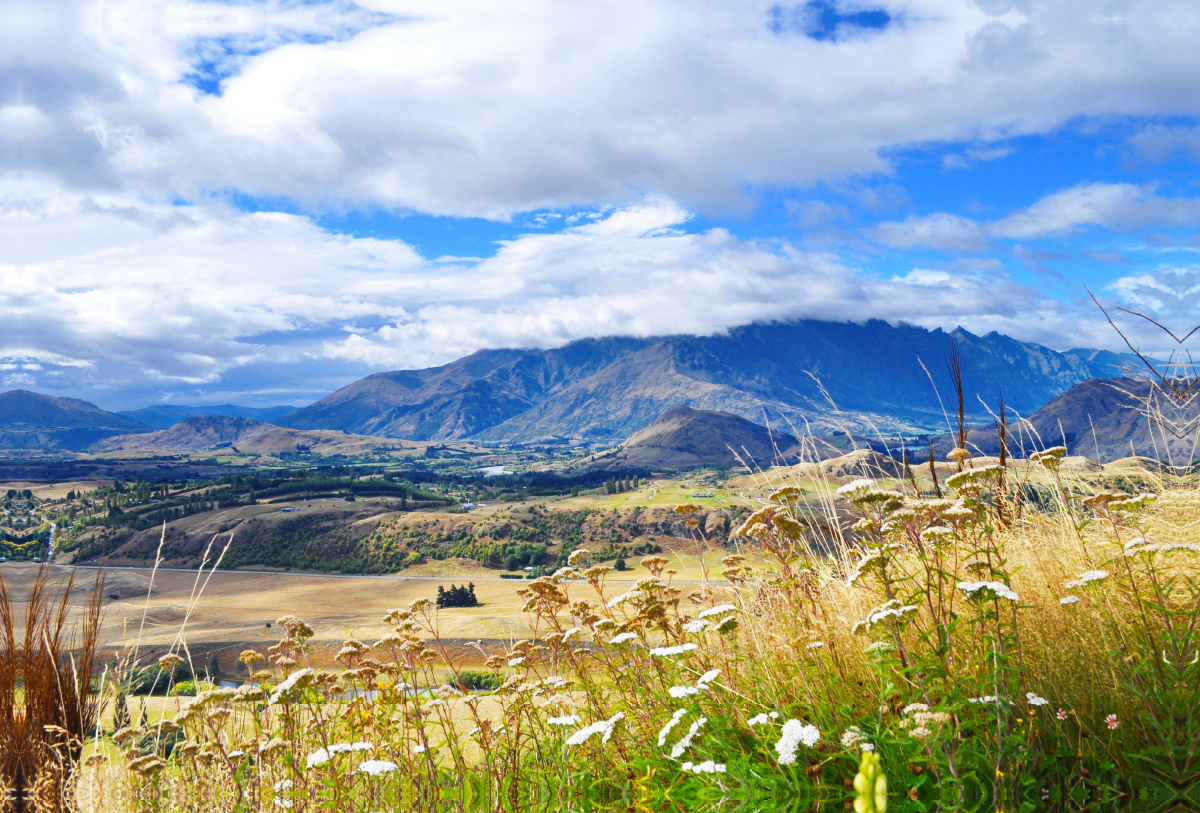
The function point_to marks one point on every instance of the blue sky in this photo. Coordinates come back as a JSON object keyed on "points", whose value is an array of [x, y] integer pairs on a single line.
{"points": [[263, 201]]}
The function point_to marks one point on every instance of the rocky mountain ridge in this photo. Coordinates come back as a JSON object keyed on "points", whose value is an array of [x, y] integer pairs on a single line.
{"points": [[822, 376]]}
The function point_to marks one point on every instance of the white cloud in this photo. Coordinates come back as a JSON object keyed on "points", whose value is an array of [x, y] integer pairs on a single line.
{"points": [[940, 230], [151, 299], [466, 108], [1104, 205]]}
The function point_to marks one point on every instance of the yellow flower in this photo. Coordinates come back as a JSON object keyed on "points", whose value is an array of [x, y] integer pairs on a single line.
{"points": [[871, 784]]}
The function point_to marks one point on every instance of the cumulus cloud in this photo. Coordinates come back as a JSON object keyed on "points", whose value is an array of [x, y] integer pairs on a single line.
{"points": [[148, 298], [943, 231], [467, 108], [1104, 205]]}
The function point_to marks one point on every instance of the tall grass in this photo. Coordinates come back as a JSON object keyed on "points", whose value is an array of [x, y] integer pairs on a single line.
{"points": [[47, 706], [988, 653]]}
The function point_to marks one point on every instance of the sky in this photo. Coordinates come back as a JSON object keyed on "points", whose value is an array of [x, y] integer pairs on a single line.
{"points": [[260, 202]]}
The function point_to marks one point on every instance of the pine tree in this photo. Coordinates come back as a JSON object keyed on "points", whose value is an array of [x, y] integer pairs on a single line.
{"points": [[121, 717]]}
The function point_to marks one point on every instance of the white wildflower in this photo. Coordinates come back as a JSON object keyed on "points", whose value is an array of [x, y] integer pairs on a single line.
{"points": [[621, 599], [758, 719], [375, 767], [891, 609], [879, 647], [683, 691], [856, 486], [685, 741], [662, 735], [623, 637], [1068, 600], [576, 555], [418, 749], [290, 683], [973, 476], [708, 766], [718, 610], [937, 534], [815, 645], [318, 757], [516, 661], [604, 727], [911, 707], [1168, 547], [793, 734], [1034, 700], [1000, 589], [570, 719], [569, 633], [695, 627], [853, 738], [666, 651], [708, 677], [284, 784], [236, 754], [1087, 578]]}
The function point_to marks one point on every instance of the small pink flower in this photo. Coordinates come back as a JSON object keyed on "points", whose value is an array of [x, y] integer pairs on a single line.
{"points": [[1062, 715], [1111, 720]]}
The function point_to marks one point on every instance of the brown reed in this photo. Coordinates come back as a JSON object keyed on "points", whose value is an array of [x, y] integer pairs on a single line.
{"points": [[47, 706]]}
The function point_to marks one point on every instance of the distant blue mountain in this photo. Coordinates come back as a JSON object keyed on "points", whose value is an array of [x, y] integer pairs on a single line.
{"points": [[163, 416], [31, 420]]}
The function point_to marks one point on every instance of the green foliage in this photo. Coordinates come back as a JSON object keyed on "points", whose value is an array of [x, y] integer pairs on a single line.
{"points": [[473, 681], [189, 688], [457, 596]]}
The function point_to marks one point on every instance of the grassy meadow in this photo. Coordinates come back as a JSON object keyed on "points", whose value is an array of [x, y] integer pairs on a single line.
{"points": [[1025, 641]]}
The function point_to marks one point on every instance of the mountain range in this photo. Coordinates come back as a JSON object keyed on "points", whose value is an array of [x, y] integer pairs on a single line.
{"points": [[796, 377], [829, 375], [161, 416], [212, 433], [30, 420]]}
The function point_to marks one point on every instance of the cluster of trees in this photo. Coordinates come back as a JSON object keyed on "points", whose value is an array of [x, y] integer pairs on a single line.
{"points": [[615, 486], [457, 596]]}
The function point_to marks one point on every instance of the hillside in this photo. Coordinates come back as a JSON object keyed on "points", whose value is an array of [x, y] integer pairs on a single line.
{"points": [[163, 416], [606, 389], [1101, 419], [30, 420], [242, 435], [685, 438], [1106, 420]]}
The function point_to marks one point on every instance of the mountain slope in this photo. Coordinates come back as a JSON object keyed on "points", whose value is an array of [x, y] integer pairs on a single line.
{"points": [[788, 372], [163, 416], [687, 438], [1101, 419], [212, 433], [30, 420], [1107, 420]]}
